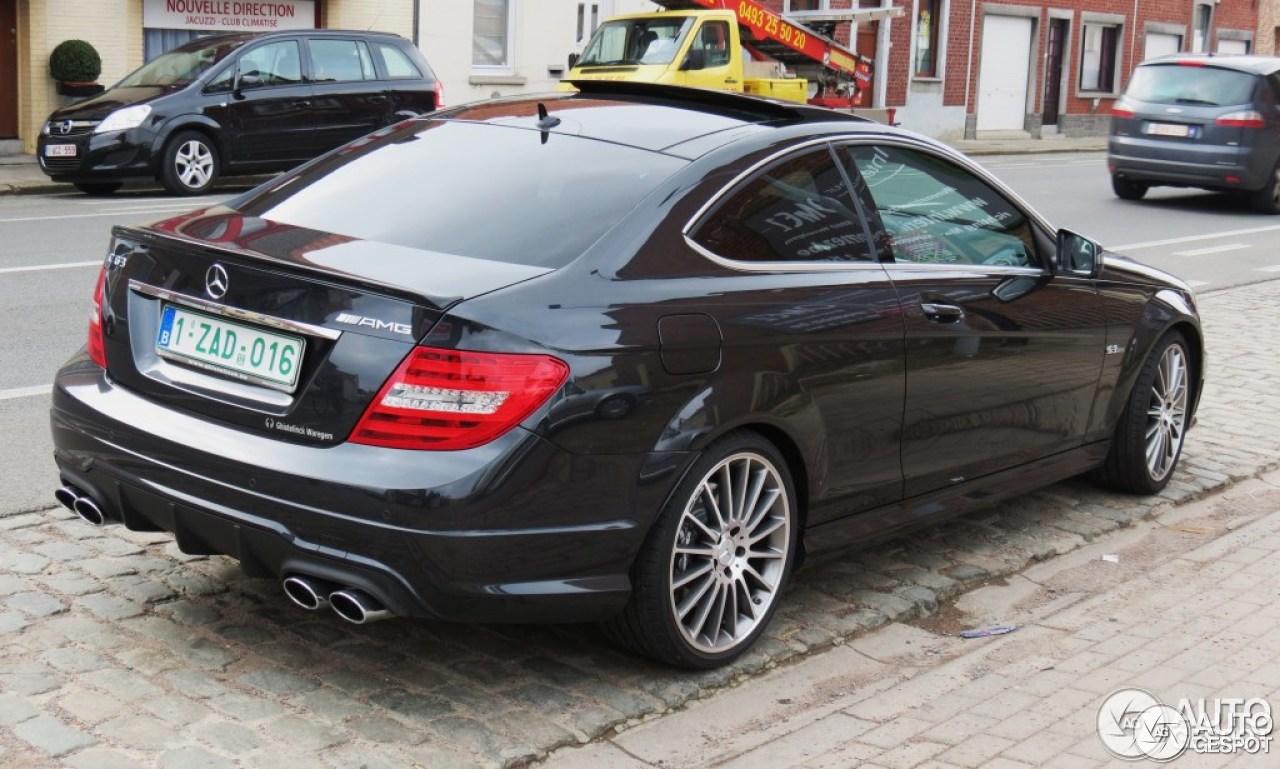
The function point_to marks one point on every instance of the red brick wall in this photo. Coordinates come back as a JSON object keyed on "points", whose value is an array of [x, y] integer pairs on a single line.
{"points": [[960, 61]]}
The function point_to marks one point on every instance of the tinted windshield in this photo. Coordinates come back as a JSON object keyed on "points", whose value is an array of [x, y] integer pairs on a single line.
{"points": [[179, 66], [1178, 84], [469, 189], [636, 41]]}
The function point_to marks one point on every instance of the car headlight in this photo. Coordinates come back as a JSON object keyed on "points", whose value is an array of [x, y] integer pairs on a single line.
{"points": [[45, 130], [122, 119]]}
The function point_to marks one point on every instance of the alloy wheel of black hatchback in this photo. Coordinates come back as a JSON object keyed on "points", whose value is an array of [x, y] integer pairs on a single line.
{"points": [[717, 560], [190, 164]]}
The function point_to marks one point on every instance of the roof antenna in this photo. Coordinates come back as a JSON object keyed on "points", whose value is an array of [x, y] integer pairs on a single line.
{"points": [[375, 19], [545, 122]]}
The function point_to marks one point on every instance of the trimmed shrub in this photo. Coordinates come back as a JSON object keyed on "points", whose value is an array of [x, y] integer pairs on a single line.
{"points": [[75, 61]]}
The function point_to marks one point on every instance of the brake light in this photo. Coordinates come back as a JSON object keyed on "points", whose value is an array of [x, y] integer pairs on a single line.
{"points": [[439, 89], [1246, 119], [1191, 63], [97, 339], [1121, 112], [445, 400]]}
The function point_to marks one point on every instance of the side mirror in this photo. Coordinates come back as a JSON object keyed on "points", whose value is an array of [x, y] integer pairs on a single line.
{"points": [[1078, 255], [247, 80], [695, 59], [573, 59]]}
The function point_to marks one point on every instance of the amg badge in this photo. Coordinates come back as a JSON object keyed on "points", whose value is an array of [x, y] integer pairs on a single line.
{"points": [[374, 323]]}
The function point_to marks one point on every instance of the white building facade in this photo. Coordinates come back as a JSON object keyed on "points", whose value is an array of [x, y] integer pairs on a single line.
{"points": [[485, 48]]}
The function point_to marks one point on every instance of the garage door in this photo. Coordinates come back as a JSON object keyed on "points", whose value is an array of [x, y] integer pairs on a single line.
{"points": [[1161, 44], [1003, 73], [1233, 47]]}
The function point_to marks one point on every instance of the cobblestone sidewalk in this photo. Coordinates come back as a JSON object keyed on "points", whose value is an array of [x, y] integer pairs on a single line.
{"points": [[1175, 615], [121, 652]]}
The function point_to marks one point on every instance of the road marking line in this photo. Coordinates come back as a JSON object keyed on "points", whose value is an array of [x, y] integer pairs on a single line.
{"points": [[1197, 283], [61, 266], [1194, 238], [25, 392], [1270, 269], [89, 216], [1212, 249]]}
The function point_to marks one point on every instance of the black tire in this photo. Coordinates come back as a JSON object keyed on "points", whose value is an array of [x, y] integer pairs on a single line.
{"points": [[98, 188], [190, 164], [1128, 467], [1127, 189], [1267, 199], [725, 571]]}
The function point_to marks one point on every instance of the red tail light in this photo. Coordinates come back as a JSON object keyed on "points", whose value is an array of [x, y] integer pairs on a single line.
{"points": [[1246, 119], [456, 399], [97, 338], [1121, 112], [439, 95]]}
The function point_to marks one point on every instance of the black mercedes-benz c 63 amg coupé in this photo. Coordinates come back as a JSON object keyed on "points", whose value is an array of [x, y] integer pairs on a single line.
{"points": [[624, 355]]}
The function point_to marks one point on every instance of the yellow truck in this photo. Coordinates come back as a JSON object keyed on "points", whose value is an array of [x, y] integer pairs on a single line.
{"points": [[732, 45]]}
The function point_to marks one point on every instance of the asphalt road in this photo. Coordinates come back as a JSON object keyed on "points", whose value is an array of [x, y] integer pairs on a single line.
{"points": [[51, 246]]}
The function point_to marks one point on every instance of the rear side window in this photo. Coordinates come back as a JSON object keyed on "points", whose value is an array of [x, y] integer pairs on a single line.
{"points": [[397, 62], [340, 61], [471, 189], [798, 210], [1205, 86]]}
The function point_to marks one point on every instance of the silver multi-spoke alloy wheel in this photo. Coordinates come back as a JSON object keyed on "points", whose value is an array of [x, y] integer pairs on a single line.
{"points": [[730, 556], [1167, 415], [193, 163]]}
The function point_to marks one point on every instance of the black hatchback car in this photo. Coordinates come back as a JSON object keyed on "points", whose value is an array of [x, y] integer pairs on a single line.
{"points": [[1191, 120], [690, 337], [237, 104]]}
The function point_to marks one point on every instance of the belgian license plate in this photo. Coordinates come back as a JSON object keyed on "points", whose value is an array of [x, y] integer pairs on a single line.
{"points": [[1168, 129], [60, 150], [245, 352]]}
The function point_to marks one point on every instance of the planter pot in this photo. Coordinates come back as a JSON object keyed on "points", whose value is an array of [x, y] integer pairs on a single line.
{"points": [[79, 90]]}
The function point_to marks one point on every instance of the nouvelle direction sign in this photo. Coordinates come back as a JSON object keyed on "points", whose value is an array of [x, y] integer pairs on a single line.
{"points": [[231, 15]]}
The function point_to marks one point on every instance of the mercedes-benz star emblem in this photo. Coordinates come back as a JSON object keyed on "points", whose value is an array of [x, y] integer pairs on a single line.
{"points": [[215, 281], [64, 127]]}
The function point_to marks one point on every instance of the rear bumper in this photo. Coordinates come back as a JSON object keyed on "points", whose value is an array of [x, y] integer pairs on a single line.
{"points": [[1155, 162], [517, 530]]}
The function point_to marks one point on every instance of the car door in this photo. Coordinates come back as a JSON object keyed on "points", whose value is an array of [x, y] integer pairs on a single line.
{"points": [[409, 84], [266, 113], [350, 101], [1003, 353], [805, 307], [708, 63]]}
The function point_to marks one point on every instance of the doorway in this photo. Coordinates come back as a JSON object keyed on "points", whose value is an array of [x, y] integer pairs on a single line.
{"points": [[1055, 55], [868, 40], [8, 69], [1004, 68]]}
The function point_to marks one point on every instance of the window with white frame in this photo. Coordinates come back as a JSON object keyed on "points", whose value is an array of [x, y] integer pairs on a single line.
{"points": [[588, 20], [1099, 53], [1201, 21], [491, 34], [928, 37]]}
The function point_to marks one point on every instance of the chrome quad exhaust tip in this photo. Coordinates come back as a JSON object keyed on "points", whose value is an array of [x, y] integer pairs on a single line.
{"points": [[357, 606], [310, 594], [81, 504]]}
